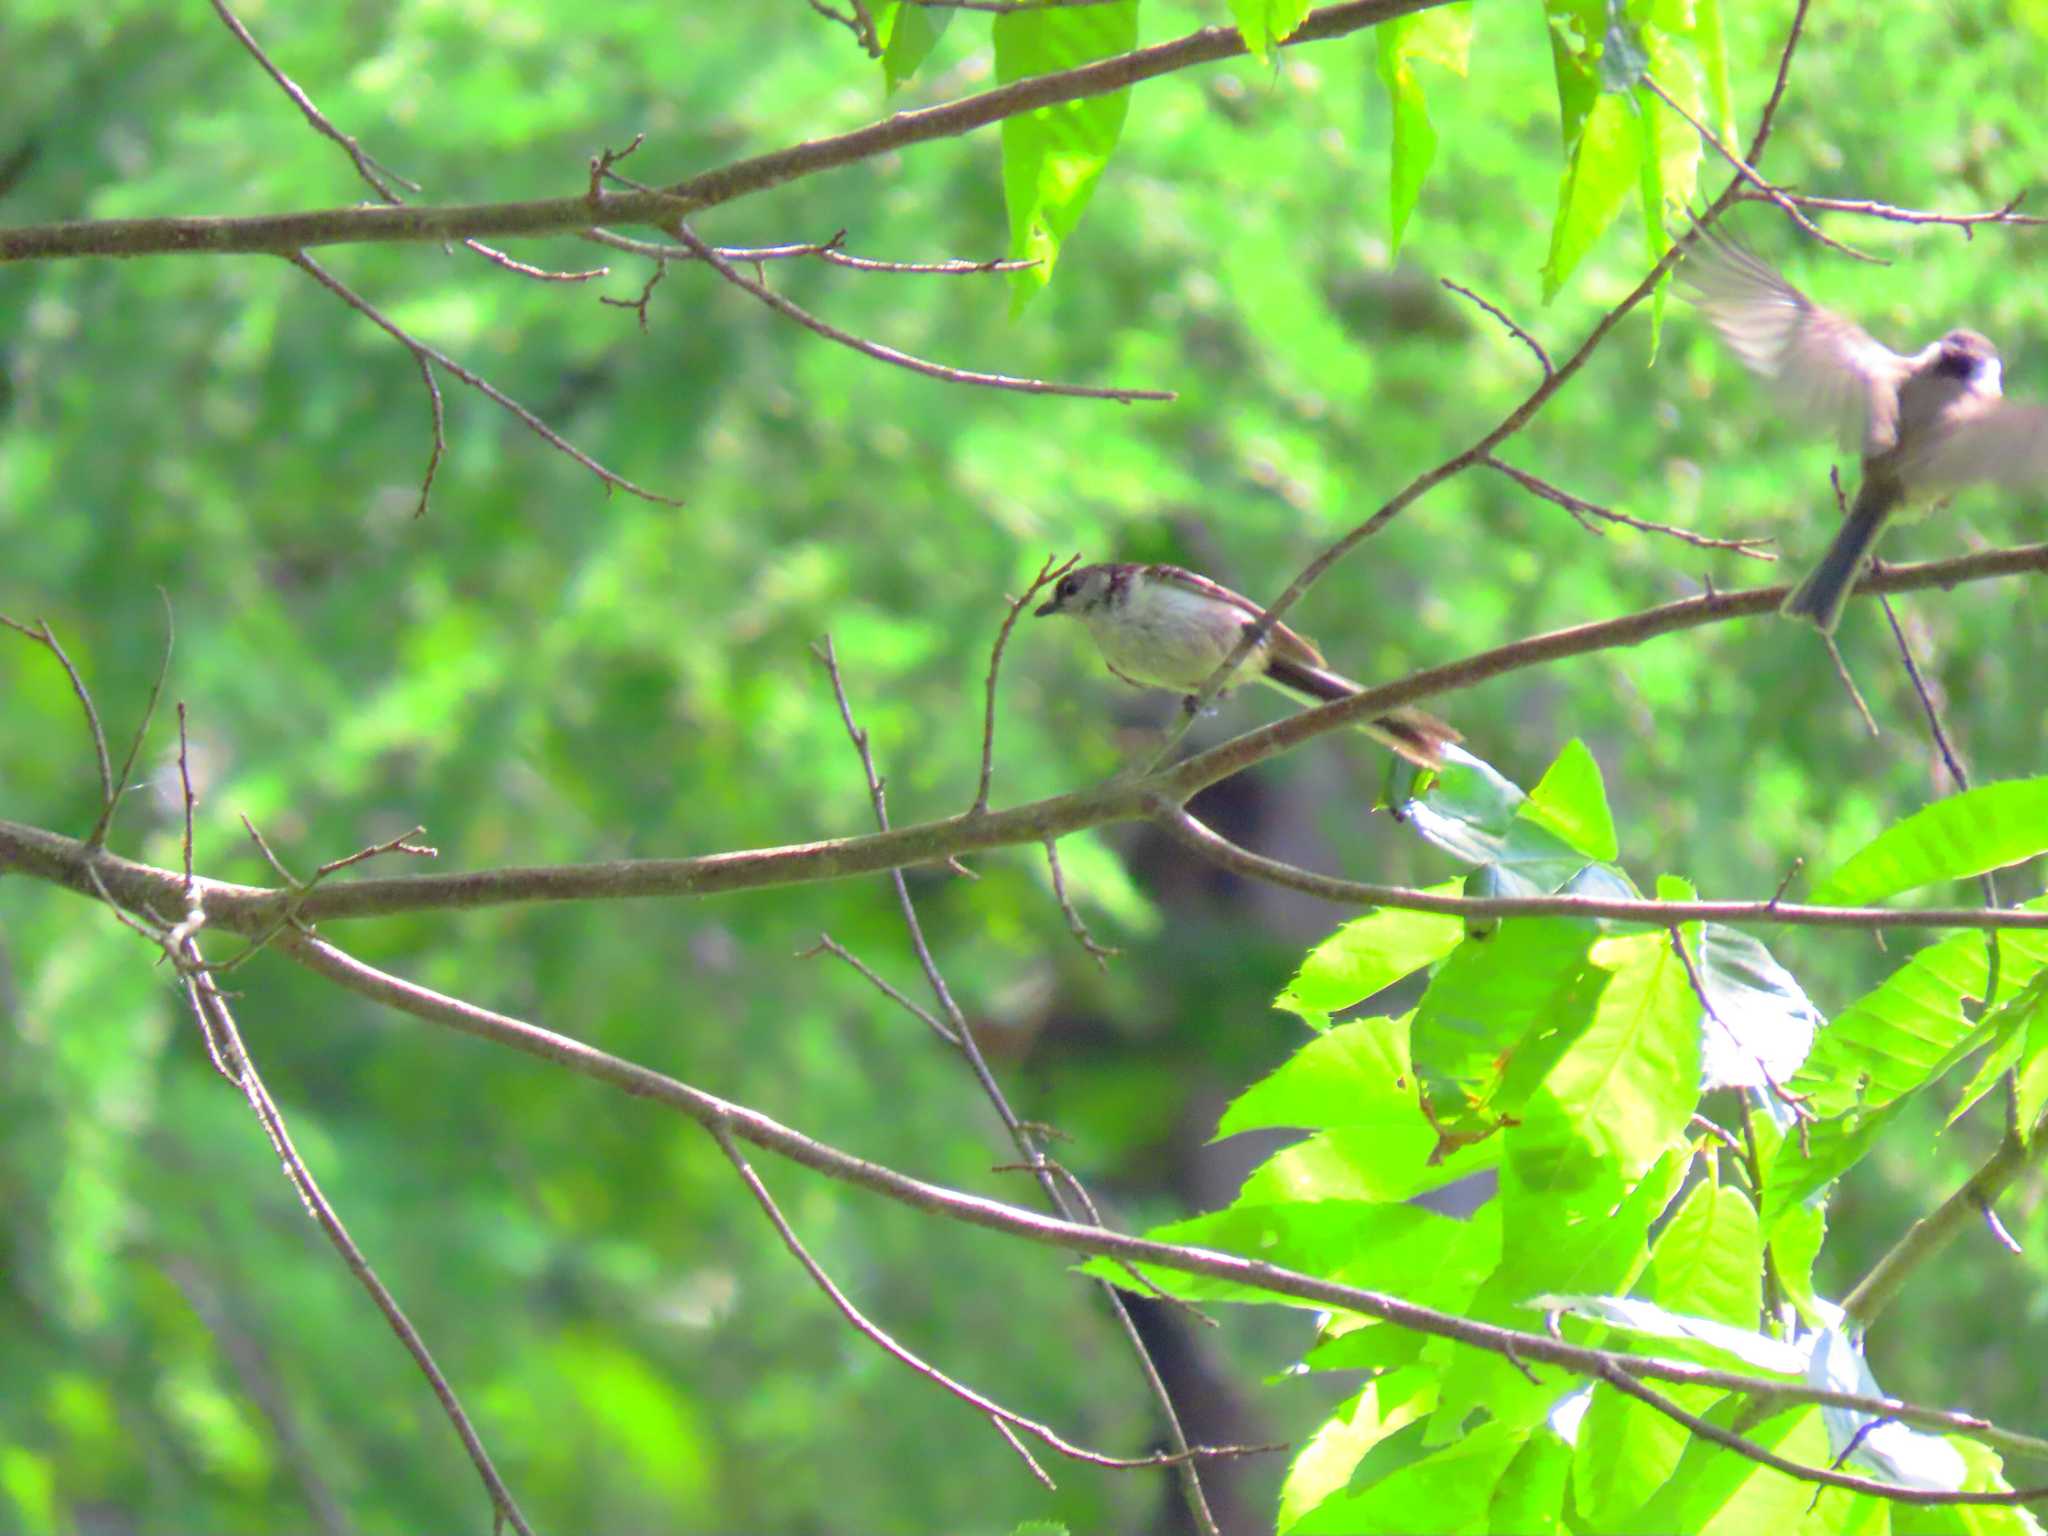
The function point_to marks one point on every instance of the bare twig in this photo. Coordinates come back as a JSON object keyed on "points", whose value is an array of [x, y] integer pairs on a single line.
{"points": [[639, 305], [1794, 1102], [1514, 330], [887, 354], [1021, 1135], [185, 781], [1849, 684], [1766, 189], [378, 177], [1101, 954], [1046, 572], [105, 824], [2007, 213], [824, 250], [880, 1337], [44, 636], [1582, 509], [424, 353], [827, 945]]}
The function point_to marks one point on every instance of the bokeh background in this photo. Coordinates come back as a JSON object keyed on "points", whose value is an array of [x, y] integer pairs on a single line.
{"points": [[540, 672]]}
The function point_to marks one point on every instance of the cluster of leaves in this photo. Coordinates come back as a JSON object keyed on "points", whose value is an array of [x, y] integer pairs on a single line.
{"points": [[1557, 1066]]}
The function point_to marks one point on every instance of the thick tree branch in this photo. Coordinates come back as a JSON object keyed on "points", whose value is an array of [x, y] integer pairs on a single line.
{"points": [[252, 909], [283, 234]]}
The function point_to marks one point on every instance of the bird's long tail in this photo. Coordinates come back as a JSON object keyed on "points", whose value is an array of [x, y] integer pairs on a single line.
{"points": [[1419, 737], [1818, 600]]}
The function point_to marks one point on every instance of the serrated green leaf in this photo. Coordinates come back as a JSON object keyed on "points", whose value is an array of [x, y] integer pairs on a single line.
{"points": [[1503, 1006], [1600, 168], [1325, 1464], [1266, 23], [1448, 1491], [1830, 1149], [1626, 1451], [1571, 800], [1912, 1027], [908, 34], [1708, 1260], [1053, 156], [1356, 1074], [1700, 1336], [1367, 955], [1715, 1490], [1631, 1079], [1443, 36], [1968, 833], [1529, 1499]]}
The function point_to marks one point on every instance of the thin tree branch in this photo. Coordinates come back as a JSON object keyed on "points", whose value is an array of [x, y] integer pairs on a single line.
{"points": [[100, 828], [1553, 380], [425, 354], [887, 354], [1046, 572], [1514, 330], [44, 636], [1022, 1136], [1582, 509], [286, 234], [249, 909], [1932, 1232], [770, 1135], [884, 1341]]}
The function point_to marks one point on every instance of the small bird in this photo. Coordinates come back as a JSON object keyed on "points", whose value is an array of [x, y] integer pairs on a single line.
{"points": [[1159, 626], [1926, 423]]}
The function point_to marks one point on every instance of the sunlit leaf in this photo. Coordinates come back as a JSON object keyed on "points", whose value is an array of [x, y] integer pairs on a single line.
{"points": [[1053, 156], [1264, 23], [1325, 1464], [1443, 36], [1571, 801], [1367, 955], [1979, 829]]}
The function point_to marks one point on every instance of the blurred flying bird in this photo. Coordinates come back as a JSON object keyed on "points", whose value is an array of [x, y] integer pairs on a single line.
{"points": [[1926, 423]]}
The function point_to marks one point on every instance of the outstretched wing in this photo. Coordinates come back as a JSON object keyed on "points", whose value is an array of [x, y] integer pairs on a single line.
{"points": [[1828, 366], [2006, 441], [1283, 642]]}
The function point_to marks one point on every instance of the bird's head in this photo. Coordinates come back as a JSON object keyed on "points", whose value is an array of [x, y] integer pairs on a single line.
{"points": [[1967, 356], [1079, 592]]}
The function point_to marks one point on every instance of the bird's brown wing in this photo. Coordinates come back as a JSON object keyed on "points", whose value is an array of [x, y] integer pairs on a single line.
{"points": [[1285, 643], [2006, 441], [1827, 365]]}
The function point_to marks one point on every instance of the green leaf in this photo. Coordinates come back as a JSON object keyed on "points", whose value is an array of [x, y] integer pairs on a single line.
{"points": [[1708, 1260], [1529, 1499], [908, 34], [1630, 1081], [1443, 36], [1912, 1027], [1980, 829], [1717, 1490], [1402, 1249], [1448, 1491], [1366, 955], [1505, 1004], [1053, 156], [1325, 1464], [1830, 1149], [1356, 1074], [1264, 23], [1702, 1337], [1599, 170], [1571, 801], [1473, 813], [1627, 1450]]}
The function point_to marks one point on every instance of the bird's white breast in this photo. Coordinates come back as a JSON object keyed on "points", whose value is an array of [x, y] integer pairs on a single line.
{"points": [[1167, 636]]}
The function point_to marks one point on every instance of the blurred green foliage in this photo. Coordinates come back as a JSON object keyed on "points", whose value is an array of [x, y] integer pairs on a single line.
{"points": [[539, 672]]}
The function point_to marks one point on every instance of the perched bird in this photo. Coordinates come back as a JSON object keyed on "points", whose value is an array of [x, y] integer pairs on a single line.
{"points": [[1159, 626], [1926, 423]]}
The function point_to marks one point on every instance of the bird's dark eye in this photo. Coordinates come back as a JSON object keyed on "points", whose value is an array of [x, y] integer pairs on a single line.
{"points": [[1069, 587]]}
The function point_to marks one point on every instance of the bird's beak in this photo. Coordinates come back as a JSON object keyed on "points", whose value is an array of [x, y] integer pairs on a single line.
{"points": [[1045, 608]]}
